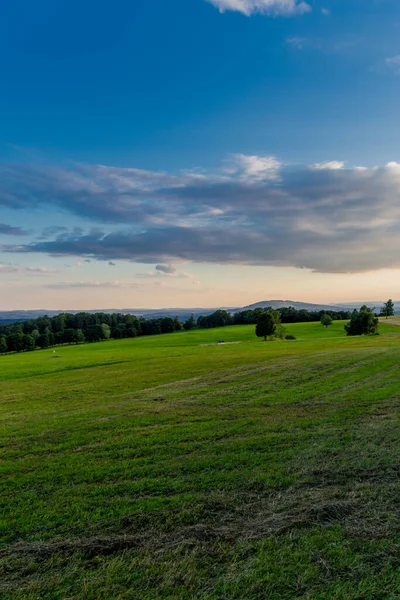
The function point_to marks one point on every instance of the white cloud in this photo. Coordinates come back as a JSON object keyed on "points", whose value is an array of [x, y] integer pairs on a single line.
{"points": [[26, 270], [393, 165], [394, 60], [326, 12], [323, 44], [254, 168], [266, 7], [93, 284], [112, 285], [297, 42], [255, 211], [394, 63], [331, 165]]}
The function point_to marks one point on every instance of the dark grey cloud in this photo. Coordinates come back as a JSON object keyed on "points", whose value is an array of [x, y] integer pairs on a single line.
{"points": [[253, 211], [102, 194], [51, 231], [168, 269], [11, 230]]}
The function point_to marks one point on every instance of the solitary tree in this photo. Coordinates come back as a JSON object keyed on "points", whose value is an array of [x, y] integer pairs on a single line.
{"points": [[387, 309], [326, 320], [362, 322], [266, 325], [280, 330]]}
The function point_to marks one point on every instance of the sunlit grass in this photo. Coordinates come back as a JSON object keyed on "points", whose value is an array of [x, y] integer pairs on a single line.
{"points": [[162, 468]]}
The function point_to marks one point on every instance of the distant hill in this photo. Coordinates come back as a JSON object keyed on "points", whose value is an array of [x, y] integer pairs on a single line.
{"points": [[298, 305], [308, 306], [184, 313], [377, 304]]}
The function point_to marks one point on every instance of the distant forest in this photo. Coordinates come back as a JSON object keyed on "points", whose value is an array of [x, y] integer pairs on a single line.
{"points": [[67, 328]]}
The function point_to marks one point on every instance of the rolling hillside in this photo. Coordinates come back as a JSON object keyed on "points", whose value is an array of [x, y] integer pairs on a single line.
{"points": [[174, 467]]}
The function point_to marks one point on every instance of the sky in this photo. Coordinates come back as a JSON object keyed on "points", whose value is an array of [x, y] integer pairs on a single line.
{"points": [[198, 153]]}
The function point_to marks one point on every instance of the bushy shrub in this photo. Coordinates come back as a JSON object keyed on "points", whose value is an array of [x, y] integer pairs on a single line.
{"points": [[289, 336], [362, 322]]}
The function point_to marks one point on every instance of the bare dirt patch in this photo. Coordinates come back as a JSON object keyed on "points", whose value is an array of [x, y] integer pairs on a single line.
{"points": [[392, 321]]}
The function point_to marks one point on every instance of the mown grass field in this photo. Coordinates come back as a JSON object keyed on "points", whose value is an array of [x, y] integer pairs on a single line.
{"points": [[162, 468]]}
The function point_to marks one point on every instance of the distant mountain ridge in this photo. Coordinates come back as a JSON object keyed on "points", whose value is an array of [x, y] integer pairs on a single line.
{"points": [[297, 305], [317, 307], [10, 316]]}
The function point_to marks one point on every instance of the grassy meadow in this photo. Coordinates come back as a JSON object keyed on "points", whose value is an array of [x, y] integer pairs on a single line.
{"points": [[172, 467]]}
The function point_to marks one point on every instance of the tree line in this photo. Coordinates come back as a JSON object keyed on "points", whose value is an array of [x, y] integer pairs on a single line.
{"points": [[361, 322], [67, 328], [220, 318]]}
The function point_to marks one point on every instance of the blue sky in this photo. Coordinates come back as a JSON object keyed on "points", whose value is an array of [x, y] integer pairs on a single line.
{"points": [[198, 152]]}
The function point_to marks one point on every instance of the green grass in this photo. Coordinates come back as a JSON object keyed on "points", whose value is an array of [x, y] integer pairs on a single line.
{"points": [[162, 468]]}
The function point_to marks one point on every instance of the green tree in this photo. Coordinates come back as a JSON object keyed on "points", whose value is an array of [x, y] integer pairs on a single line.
{"points": [[29, 342], [178, 325], [78, 337], [58, 323], [387, 309], [50, 336], [68, 336], [362, 322], [44, 340], [15, 342], [190, 323], [3, 345], [276, 315], [35, 334], [106, 331], [94, 333], [119, 332], [326, 320], [167, 325], [280, 331], [130, 330], [266, 325]]}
